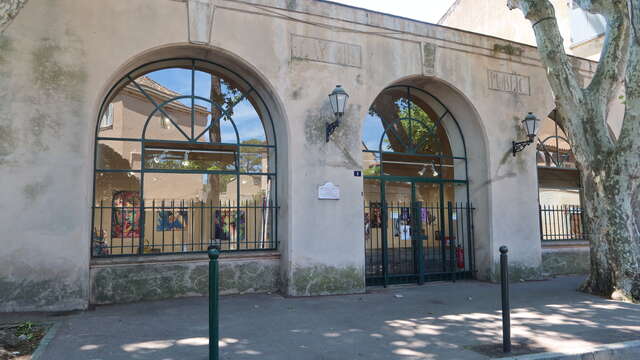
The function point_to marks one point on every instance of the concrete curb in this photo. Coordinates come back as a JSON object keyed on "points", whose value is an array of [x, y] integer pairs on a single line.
{"points": [[51, 333], [628, 350]]}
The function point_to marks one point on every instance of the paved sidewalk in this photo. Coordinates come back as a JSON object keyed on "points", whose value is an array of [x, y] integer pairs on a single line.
{"points": [[435, 321]]}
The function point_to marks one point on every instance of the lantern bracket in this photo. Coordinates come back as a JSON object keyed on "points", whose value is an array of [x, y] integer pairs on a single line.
{"points": [[331, 127], [530, 123], [518, 146]]}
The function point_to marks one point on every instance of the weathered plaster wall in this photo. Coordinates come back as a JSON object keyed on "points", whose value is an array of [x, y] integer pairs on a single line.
{"points": [[43, 82], [118, 282], [55, 57], [60, 58], [566, 260]]}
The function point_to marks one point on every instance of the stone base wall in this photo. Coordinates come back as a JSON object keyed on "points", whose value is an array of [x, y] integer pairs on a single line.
{"points": [[316, 280], [565, 260], [517, 272], [123, 280]]}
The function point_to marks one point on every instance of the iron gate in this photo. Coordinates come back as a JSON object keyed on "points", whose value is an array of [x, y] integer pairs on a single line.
{"points": [[416, 242]]}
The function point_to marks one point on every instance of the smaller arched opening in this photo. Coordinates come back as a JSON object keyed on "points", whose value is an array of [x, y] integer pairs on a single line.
{"points": [[416, 191], [185, 157], [559, 188]]}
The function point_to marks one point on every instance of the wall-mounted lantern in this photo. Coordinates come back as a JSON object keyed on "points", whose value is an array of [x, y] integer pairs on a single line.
{"points": [[338, 100], [531, 124]]}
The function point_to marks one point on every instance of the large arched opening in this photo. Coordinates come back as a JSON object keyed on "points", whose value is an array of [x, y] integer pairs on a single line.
{"points": [[185, 156], [417, 209]]}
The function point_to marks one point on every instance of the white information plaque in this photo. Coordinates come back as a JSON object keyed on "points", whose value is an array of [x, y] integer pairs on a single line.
{"points": [[329, 191]]}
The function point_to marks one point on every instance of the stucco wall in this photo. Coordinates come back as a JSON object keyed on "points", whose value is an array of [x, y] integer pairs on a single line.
{"points": [[59, 58]]}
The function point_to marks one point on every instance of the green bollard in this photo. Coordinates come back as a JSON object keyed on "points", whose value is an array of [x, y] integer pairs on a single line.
{"points": [[213, 302]]}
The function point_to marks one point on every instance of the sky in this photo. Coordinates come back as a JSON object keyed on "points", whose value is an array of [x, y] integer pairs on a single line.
{"points": [[423, 10], [245, 117]]}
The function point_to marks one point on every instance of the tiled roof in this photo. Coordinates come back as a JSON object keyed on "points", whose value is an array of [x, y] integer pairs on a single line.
{"points": [[148, 82]]}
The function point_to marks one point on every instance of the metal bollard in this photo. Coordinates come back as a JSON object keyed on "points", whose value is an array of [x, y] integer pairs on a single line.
{"points": [[506, 309], [213, 302]]}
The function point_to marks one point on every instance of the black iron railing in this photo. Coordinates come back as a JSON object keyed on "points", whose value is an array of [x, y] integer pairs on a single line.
{"points": [[407, 242], [561, 223], [180, 226]]}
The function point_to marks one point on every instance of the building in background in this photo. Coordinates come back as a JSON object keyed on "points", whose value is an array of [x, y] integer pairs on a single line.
{"points": [[583, 33]]}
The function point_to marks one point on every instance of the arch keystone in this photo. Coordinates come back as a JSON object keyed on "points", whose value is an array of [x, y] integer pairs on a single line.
{"points": [[200, 16]]}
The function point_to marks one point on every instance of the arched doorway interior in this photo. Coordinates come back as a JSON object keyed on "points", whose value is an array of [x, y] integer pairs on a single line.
{"points": [[418, 221]]}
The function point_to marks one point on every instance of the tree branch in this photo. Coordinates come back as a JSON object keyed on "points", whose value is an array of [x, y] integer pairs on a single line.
{"points": [[628, 145], [615, 51], [569, 95], [560, 72], [634, 16], [9, 9]]}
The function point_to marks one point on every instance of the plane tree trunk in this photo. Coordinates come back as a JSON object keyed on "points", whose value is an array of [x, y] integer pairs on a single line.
{"points": [[9, 9], [609, 168]]}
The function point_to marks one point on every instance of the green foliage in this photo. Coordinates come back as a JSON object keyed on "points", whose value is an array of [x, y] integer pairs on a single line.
{"points": [[227, 98], [26, 328], [421, 129], [251, 156], [250, 160], [417, 131], [372, 171], [180, 164]]}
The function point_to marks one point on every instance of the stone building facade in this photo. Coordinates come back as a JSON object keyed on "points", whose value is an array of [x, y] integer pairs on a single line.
{"points": [[417, 183]]}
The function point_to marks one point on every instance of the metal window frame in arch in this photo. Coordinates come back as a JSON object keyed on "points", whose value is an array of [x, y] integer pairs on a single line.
{"points": [[442, 113], [549, 149], [141, 225]]}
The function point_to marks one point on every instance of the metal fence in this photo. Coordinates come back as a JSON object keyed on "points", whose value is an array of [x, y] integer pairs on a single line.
{"points": [[179, 226], [561, 223], [418, 242]]}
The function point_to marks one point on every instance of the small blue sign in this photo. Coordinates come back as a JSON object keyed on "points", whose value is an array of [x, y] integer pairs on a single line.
{"points": [[357, 173]]}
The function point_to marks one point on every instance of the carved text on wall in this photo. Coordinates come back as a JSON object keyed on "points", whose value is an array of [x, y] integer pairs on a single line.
{"points": [[512, 83], [325, 51]]}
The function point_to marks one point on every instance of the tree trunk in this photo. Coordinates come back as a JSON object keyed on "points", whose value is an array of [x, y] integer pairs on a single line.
{"points": [[612, 228], [609, 168], [213, 195], [9, 9], [386, 108]]}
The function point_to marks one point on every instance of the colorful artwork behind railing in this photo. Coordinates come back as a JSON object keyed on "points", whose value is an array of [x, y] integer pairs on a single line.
{"points": [[227, 223], [172, 220], [125, 220]]}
